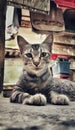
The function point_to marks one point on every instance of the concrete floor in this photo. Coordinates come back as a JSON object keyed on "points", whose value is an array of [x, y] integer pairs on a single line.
{"points": [[24, 117]]}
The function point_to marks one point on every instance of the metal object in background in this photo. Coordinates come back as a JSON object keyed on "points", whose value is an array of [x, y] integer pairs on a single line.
{"points": [[45, 23]]}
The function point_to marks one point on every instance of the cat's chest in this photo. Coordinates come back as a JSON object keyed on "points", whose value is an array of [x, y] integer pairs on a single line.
{"points": [[37, 84]]}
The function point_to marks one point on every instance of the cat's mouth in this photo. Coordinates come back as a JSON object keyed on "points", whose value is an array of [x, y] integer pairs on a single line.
{"points": [[37, 68]]}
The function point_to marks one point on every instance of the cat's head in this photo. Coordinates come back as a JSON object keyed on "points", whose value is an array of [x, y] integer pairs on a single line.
{"points": [[36, 56]]}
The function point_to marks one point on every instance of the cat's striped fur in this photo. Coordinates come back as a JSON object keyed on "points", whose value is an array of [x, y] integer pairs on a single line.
{"points": [[36, 86]]}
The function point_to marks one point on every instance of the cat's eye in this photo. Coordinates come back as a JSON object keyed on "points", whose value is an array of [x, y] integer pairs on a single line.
{"points": [[29, 55], [43, 54]]}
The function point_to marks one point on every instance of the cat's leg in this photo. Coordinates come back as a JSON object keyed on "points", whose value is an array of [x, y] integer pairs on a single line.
{"points": [[19, 96], [58, 99], [37, 99]]}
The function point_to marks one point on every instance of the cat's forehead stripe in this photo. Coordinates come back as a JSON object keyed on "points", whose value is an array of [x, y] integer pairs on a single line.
{"points": [[35, 46]]}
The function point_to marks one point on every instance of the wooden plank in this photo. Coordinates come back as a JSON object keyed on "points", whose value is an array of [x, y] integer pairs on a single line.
{"points": [[66, 39], [40, 5], [66, 34], [2, 40], [62, 49]]}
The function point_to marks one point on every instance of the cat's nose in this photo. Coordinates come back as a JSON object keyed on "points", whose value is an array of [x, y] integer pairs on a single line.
{"points": [[36, 63]]}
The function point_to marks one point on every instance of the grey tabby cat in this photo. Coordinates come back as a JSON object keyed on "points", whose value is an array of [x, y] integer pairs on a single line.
{"points": [[36, 86]]}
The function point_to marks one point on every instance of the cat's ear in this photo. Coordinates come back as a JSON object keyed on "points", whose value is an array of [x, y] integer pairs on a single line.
{"points": [[21, 43], [48, 41]]}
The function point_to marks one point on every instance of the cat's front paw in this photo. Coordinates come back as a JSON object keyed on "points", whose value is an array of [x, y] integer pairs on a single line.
{"points": [[37, 99], [59, 99]]}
